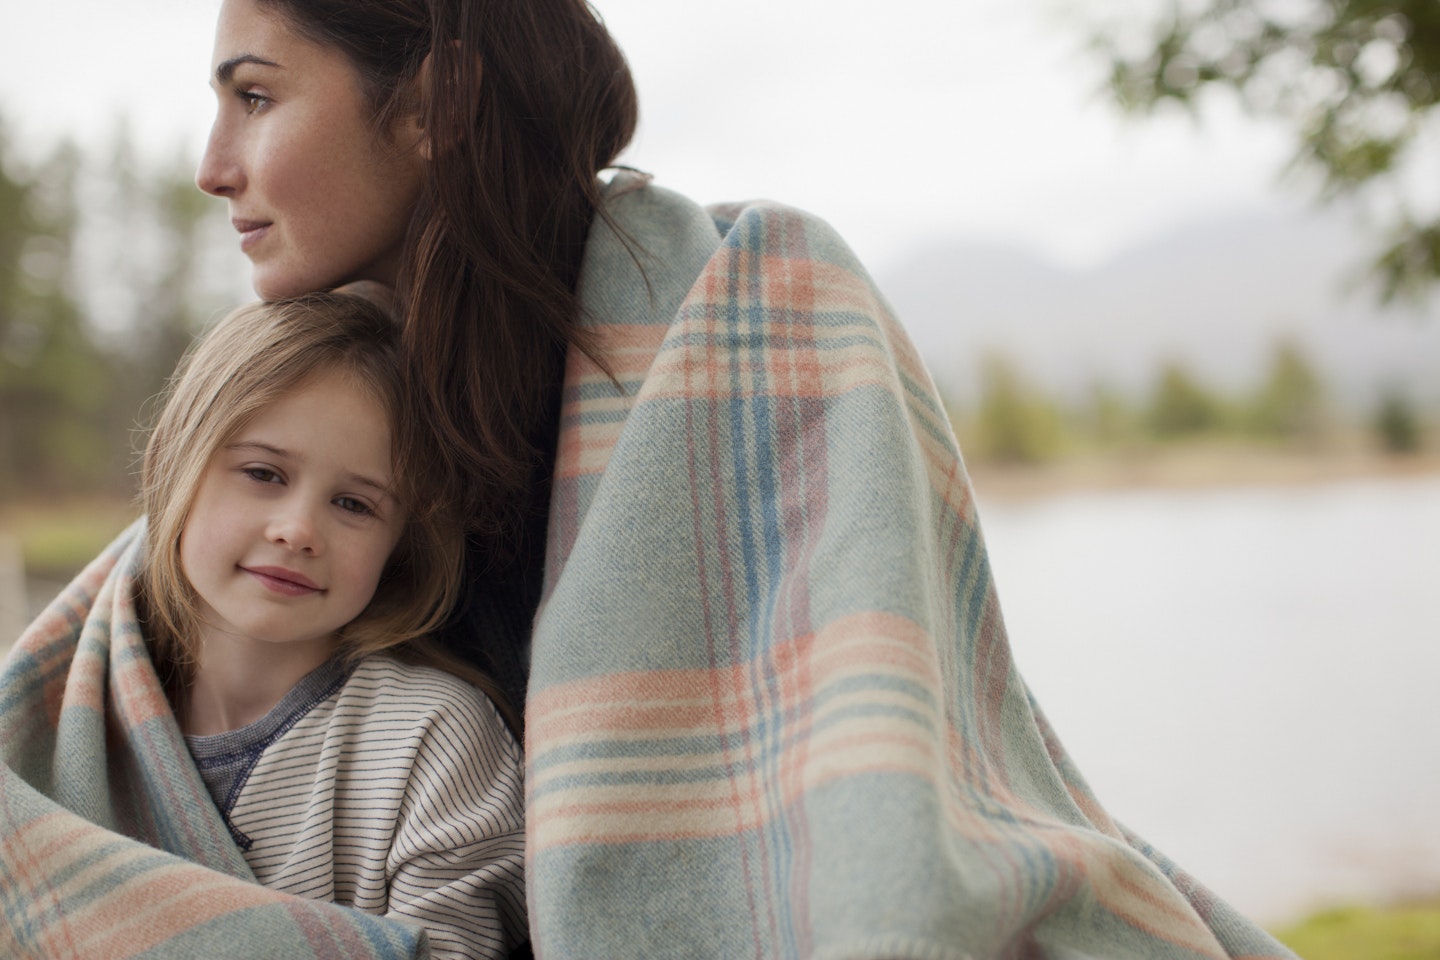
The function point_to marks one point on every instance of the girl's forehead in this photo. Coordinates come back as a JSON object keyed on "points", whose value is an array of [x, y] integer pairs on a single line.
{"points": [[332, 413]]}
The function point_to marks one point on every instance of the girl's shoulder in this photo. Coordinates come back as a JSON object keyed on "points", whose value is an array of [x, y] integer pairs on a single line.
{"points": [[422, 695]]}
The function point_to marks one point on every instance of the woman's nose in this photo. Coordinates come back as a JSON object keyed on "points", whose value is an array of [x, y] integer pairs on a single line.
{"points": [[219, 174]]}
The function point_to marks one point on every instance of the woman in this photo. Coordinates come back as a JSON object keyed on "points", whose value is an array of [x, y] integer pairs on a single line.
{"points": [[772, 710], [342, 144]]}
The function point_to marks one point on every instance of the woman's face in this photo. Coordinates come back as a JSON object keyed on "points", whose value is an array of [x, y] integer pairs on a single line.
{"points": [[317, 197]]}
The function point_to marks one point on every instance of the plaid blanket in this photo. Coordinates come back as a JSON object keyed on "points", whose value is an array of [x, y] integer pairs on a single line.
{"points": [[773, 711]]}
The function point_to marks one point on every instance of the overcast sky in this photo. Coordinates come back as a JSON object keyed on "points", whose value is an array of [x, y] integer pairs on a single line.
{"points": [[899, 122]]}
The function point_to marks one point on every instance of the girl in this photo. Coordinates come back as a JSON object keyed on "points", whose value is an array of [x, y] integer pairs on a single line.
{"points": [[295, 561]]}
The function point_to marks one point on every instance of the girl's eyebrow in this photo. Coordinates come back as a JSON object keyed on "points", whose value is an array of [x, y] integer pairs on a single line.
{"points": [[257, 445], [226, 70]]}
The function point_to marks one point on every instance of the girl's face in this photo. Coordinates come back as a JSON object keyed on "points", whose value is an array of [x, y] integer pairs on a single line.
{"points": [[318, 199], [292, 524]]}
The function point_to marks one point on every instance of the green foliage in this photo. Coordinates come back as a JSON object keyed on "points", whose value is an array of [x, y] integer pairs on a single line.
{"points": [[1357, 80], [1015, 424], [1397, 424], [1397, 933], [1290, 404], [1180, 406]]}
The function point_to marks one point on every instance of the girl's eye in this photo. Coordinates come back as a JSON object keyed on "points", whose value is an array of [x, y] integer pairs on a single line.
{"points": [[262, 474], [351, 505]]}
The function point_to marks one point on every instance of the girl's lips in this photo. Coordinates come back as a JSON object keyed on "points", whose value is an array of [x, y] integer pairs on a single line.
{"points": [[285, 582]]}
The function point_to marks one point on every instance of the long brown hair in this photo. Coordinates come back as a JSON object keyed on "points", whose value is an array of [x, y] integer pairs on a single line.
{"points": [[522, 103], [253, 357]]}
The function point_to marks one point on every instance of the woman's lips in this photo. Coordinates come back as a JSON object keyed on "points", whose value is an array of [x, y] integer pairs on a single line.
{"points": [[285, 582], [251, 232]]}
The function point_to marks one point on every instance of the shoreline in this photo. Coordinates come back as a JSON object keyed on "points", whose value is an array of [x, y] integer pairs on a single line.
{"points": [[1192, 468]]}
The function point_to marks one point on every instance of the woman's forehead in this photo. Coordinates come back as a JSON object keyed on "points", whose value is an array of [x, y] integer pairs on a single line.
{"points": [[250, 32]]}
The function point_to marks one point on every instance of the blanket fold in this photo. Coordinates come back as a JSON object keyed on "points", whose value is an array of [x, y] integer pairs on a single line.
{"points": [[773, 710], [110, 846]]}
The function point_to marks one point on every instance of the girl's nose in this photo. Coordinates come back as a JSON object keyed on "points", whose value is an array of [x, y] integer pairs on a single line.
{"points": [[296, 530], [220, 173]]}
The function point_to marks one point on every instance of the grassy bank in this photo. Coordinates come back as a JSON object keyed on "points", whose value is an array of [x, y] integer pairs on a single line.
{"points": [[1205, 463], [58, 538], [1399, 932]]}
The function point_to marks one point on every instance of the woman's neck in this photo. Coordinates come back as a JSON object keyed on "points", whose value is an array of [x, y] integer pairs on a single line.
{"points": [[237, 681]]}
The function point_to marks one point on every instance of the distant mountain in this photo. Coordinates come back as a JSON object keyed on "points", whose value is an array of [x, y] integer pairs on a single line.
{"points": [[1215, 296]]}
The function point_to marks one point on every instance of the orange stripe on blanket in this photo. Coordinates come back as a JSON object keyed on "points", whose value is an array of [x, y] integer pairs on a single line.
{"points": [[625, 349], [822, 287], [628, 352], [1125, 884], [785, 283], [85, 685], [586, 449], [650, 782], [168, 898], [649, 702], [140, 698], [168, 902], [720, 805], [832, 369]]}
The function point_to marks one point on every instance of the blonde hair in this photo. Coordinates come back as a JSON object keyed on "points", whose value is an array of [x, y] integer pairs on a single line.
{"points": [[253, 357]]}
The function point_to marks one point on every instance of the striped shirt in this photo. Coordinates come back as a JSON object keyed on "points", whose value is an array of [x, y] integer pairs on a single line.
{"points": [[393, 789]]}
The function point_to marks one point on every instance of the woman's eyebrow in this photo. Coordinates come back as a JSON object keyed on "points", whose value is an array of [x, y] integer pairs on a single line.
{"points": [[226, 70]]}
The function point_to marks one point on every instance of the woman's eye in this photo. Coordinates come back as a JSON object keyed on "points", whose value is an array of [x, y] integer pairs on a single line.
{"points": [[262, 474], [253, 101], [351, 505]]}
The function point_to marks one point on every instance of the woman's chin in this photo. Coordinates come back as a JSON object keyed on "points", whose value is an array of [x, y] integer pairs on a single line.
{"points": [[279, 285]]}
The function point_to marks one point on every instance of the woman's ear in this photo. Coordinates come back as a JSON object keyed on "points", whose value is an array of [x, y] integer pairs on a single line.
{"points": [[411, 126], [408, 127]]}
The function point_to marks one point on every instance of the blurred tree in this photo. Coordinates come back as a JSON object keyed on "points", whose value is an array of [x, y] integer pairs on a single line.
{"points": [[1107, 416], [168, 293], [1397, 424], [1181, 406], [1358, 80], [86, 341], [1291, 402], [149, 231], [1014, 423], [53, 378]]}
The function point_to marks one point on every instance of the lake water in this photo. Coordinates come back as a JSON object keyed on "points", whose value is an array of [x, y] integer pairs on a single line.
{"points": [[1246, 676]]}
